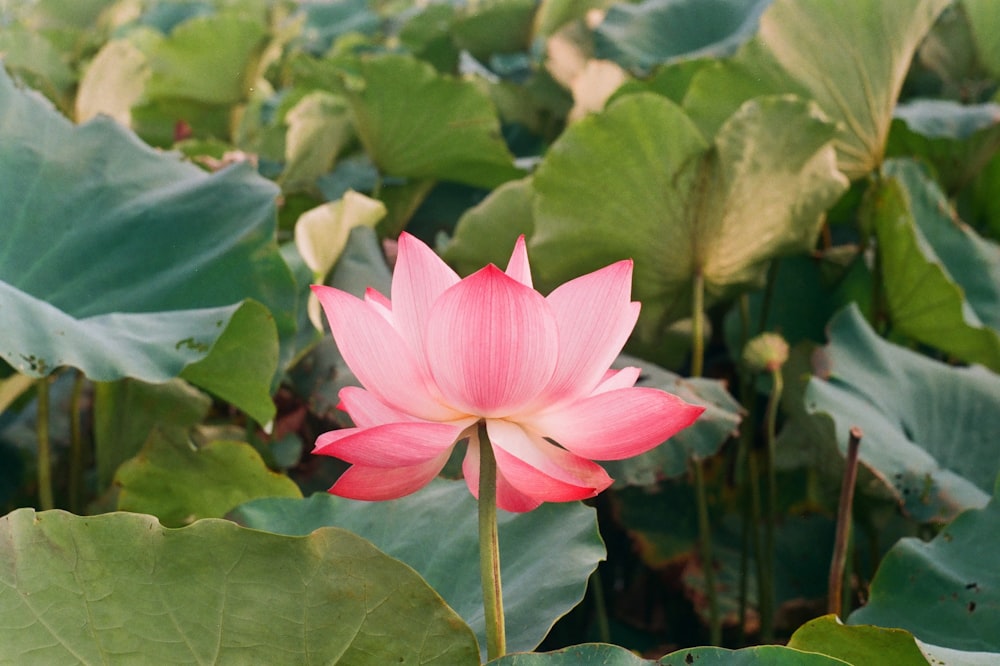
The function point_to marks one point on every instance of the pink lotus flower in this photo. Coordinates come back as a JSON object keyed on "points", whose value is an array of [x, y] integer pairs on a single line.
{"points": [[449, 352]]}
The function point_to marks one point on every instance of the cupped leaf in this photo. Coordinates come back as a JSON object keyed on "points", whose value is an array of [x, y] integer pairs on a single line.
{"points": [[417, 123], [857, 644], [180, 483], [929, 429], [958, 140], [125, 262], [722, 209], [704, 438], [546, 555], [943, 591], [653, 32], [941, 280], [855, 77], [121, 587]]}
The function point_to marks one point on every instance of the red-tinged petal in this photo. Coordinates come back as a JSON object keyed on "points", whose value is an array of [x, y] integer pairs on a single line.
{"points": [[389, 445], [615, 424], [518, 267], [509, 498], [379, 357], [419, 278], [595, 317], [377, 484], [491, 343], [541, 470], [618, 379]]}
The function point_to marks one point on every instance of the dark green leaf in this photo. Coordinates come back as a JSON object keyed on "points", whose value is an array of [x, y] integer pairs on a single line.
{"points": [[546, 555], [944, 591], [929, 428]]}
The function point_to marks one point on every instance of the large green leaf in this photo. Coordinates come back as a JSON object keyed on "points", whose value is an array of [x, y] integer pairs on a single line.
{"points": [[941, 281], [120, 588], [680, 205], [546, 555], [417, 123], [654, 32], [125, 262], [180, 483], [594, 654], [714, 427], [929, 428], [946, 591], [855, 76], [857, 644]]}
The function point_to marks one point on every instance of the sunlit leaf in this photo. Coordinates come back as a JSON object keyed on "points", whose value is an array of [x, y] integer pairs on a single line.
{"points": [[435, 532], [723, 209], [120, 587], [319, 127], [857, 644], [929, 429], [113, 82], [855, 77]]}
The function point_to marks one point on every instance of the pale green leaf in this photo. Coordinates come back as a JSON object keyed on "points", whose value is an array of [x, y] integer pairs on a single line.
{"points": [[120, 588]]}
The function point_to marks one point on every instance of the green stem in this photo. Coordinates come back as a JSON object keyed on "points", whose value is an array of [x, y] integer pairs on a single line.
{"points": [[697, 335], [600, 608], [770, 526], [765, 307], [838, 562], [765, 603], [707, 561], [45, 499], [743, 485], [489, 548], [76, 444], [701, 495]]}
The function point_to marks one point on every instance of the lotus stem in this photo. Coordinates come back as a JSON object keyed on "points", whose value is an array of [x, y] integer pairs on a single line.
{"points": [[489, 548], [45, 499], [707, 561], [701, 495], [76, 444], [600, 608], [835, 594], [697, 335], [770, 526]]}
